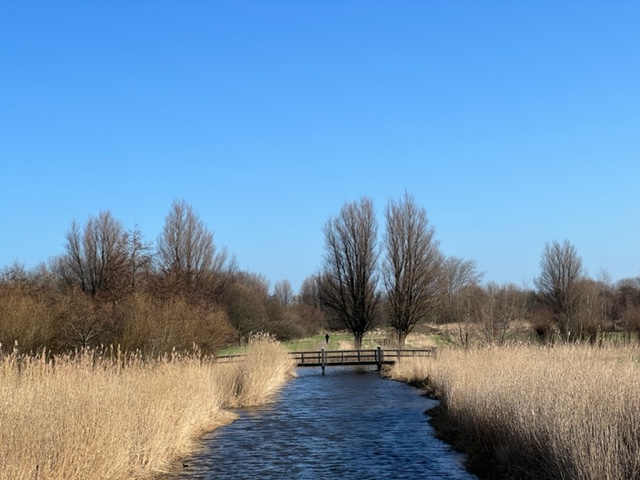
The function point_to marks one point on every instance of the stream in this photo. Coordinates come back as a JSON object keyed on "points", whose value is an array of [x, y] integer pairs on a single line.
{"points": [[347, 424]]}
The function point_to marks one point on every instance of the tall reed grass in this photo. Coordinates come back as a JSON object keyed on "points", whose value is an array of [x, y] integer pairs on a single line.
{"points": [[544, 413], [109, 415]]}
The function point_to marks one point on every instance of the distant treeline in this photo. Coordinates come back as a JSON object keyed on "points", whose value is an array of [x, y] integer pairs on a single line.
{"points": [[110, 286], [405, 280]]}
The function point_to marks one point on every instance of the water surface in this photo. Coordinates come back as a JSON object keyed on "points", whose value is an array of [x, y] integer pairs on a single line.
{"points": [[343, 425]]}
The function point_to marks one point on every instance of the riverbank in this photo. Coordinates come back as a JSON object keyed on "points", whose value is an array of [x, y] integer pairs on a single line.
{"points": [[537, 413], [110, 415]]}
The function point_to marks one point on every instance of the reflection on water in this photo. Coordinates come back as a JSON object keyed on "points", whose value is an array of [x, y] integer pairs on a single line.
{"points": [[344, 425]]}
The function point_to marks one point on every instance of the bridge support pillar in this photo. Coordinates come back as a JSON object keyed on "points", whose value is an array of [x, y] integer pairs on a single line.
{"points": [[324, 359], [379, 357]]}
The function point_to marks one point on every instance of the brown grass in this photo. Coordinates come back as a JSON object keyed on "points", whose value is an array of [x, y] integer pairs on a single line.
{"points": [[567, 412], [106, 415]]}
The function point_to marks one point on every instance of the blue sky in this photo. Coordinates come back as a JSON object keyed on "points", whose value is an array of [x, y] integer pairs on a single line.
{"points": [[512, 123]]}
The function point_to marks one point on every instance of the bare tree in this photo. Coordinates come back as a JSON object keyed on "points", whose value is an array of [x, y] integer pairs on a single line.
{"points": [[140, 257], [501, 307], [283, 293], [308, 304], [348, 281], [96, 257], [411, 268], [558, 284], [593, 311], [186, 252], [456, 274], [626, 306], [245, 300], [459, 296], [309, 294]]}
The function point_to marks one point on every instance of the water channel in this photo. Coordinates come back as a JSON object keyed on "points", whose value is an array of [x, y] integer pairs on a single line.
{"points": [[344, 425]]}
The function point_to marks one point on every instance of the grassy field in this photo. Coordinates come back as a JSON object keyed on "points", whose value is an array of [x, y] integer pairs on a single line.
{"points": [[107, 415], [543, 413], [344, 341], [337, 341]]}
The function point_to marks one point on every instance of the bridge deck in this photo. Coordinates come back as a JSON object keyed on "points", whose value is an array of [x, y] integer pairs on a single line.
{"points": [[355, 357], [325, 358]]}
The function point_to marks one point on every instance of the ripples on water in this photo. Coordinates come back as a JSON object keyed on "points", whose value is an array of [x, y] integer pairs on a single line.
{"points": [[344, 425]]}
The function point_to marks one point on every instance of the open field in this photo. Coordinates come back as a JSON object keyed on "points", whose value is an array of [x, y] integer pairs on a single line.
{"points": [[563, 412], [107, 415], [344, 341], [337, 341]]}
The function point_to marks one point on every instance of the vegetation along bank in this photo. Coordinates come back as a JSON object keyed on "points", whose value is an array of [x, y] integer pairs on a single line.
{"points": [[103, 414], [531, 412]]}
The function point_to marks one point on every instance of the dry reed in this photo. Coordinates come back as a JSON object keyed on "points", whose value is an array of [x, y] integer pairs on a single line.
{"points": [[566, 412], [107, 415]]}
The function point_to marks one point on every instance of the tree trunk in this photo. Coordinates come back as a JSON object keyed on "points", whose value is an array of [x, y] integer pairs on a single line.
{"points": [[402, 338]]}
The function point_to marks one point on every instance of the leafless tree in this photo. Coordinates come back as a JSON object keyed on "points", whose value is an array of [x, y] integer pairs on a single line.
{"points": [[460, 296], [283, 293], [348, 280], [456, 274], [140, 257], [96, 256], [501, 307], [308, 304], [14, 274], [245, 300], [626, 305], [411, 268], [309, 294], [186, 252], [558, 284], [592, 312]]}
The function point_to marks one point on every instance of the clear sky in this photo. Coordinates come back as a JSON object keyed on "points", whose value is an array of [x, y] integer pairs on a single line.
{"points": [[513, 123]]}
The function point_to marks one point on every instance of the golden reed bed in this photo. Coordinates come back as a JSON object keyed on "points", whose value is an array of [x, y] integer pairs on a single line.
{"points": [[106, 415], [569, 412]]}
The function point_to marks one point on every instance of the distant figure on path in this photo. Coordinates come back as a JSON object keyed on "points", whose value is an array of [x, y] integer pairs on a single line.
{"points": [[326, 337]]}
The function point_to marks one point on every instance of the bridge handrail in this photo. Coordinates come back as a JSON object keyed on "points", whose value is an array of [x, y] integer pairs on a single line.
{"points": [[344, 355], [386, 350], [230, 358], [360, 355]]}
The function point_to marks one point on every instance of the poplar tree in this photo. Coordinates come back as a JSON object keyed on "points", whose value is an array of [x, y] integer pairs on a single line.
{"points": [[411, 267], [349, 277]]}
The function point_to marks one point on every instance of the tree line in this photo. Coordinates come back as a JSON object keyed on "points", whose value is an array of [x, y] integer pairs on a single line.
{"points": [[406, 281], [110, 286]]}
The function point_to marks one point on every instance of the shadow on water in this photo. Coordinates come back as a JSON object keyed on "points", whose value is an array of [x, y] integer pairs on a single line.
{"points": [[343, 425]]}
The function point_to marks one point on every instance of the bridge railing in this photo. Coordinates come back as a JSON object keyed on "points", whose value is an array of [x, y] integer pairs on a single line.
{"points": [[318, 357], [230, 358], [410, 353], [324, 357], [362, 357]]}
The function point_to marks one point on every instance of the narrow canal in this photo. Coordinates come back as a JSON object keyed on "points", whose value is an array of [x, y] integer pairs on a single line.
{"points": [[344, 425]]}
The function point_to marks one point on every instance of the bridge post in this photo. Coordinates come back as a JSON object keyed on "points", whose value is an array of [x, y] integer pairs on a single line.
{"points": [[379, 357], [324, 359]]}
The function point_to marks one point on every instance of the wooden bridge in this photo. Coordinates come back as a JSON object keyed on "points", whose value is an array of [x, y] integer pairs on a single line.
{"points": [[327, 358], [378, 357]]}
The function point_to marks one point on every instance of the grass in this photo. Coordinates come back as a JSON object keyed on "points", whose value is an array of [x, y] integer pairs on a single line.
{"points": [[544, 413], [108, 415], [337, 341], [344, 341]]}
